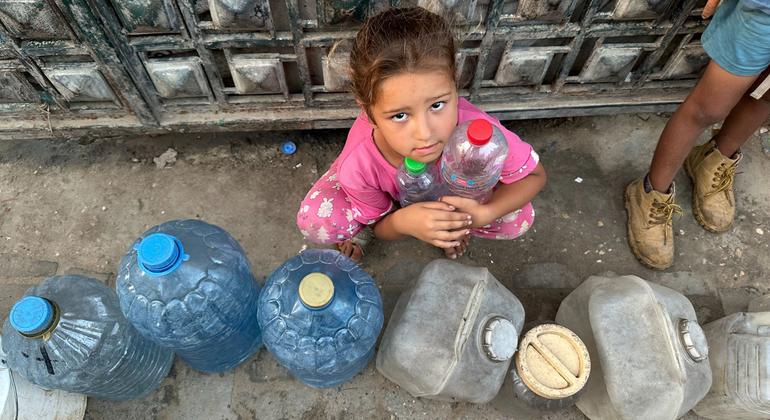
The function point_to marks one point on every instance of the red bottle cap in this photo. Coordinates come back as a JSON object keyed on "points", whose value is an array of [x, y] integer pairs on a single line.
{"points": [[479, 132]]}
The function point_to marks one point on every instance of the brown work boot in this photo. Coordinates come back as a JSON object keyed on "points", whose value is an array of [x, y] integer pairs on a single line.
{"points": [[713, 201], [650, 234]]}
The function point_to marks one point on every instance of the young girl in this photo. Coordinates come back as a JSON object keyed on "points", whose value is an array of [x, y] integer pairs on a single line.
{"points": [[403, 78]]}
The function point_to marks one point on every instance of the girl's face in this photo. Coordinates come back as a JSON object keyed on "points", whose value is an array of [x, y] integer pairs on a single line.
{"points": [[414, 115]]}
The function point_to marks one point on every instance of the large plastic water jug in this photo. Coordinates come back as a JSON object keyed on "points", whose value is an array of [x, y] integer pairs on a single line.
{"points": [[648, 353], [21, 400], [321, 315], [68, 333], [549, 372], [739, 354], [187, 285], [473, 158], [418, 182], [760, 304], [452, 334]]}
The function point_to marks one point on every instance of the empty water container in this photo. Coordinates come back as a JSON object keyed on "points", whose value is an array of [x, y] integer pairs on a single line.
{"points": [[648, 353], [68, 333], [321, 315], [452, 334], [760, 304], [187, 285], [21, 400], [418, 182], [549, 371], [739, 353]]}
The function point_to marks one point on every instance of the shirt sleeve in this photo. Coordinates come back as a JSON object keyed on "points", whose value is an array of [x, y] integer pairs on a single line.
{"points": [[522, 158]]}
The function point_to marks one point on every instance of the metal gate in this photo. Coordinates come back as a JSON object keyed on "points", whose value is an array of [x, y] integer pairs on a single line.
{"points": [[105, 67]]}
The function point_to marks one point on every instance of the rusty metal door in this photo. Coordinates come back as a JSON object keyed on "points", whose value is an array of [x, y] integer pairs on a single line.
{"points": [[101, 67]]}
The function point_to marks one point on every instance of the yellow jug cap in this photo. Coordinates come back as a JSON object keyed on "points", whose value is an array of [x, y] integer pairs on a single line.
{"points": [[316, 290]]}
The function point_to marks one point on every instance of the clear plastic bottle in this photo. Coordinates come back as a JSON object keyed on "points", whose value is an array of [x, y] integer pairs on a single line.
{"points": [[418, 182], [740, 361], [187, 285], [452, 335], [550, 370], [321, 315], [22, 400], [648, 353], [68, 333], [473, 159]]}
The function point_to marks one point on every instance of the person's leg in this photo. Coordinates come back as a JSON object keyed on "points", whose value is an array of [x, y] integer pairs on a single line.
{"points": [[325, 216], [712, 99], [744, 119], [649, 201], [712, 166]]}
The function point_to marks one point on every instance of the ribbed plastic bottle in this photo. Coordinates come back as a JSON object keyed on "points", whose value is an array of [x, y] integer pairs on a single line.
{"points": [[321, 315], [418, 182], [187, 286], [68, 333], [473, 159], [22, 400]]}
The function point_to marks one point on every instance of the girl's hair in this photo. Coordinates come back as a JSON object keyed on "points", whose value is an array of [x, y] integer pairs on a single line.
{"points": [[396, 41]]}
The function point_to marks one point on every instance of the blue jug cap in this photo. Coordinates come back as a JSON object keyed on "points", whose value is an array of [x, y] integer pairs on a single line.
{"points": [[160, 254], [31, 315], [288, 147]]}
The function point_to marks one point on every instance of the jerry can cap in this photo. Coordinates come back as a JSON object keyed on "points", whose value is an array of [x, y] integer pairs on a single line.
{"points": [[693, 340], [553, 361], [499, 339]]}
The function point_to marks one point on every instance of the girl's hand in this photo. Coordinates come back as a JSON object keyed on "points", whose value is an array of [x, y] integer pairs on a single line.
{"points": [[480, 215], [709, 8], [434, 222]]}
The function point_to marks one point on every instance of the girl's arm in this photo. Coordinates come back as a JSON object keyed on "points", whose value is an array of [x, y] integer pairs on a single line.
{"points": [[506, 199]]}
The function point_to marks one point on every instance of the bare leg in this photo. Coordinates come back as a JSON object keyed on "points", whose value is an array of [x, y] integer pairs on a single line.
{"points": [[743, 121], [712, 99]]}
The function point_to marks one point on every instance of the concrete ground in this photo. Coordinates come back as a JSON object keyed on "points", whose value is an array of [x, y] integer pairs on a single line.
{"points": [[74, 207]]}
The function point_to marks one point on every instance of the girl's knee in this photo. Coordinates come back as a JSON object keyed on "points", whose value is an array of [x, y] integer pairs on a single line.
{"points": [[324, 230]]}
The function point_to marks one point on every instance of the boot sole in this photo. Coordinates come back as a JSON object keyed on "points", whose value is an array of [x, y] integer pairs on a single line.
{"points": [[696, 205], [632, 242]]}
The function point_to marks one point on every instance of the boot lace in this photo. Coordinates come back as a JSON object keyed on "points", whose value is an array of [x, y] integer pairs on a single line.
{"points": [[723, 180], [662, 213]]}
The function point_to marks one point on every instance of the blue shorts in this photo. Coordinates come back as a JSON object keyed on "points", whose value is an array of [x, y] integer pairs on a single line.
{"points": [[738, 38]]}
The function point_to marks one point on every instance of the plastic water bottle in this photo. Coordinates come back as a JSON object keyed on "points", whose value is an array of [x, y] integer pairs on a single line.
{"points": [[473, 159], [417, 182], [187, 285], [22, 400], [321, 315], [68, 333]]}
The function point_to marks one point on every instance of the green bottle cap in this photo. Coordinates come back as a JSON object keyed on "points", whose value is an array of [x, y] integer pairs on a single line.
{"points": [[414, 166]]}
